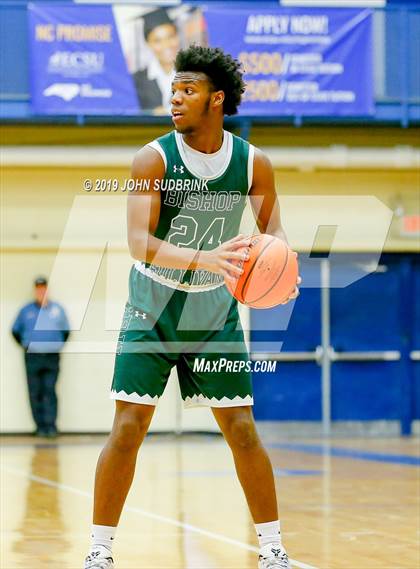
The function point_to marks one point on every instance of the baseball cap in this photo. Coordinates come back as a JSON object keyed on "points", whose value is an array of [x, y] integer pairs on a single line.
{"points": [[40, 281]]}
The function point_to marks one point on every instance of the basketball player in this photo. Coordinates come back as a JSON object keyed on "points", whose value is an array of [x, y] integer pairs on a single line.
{"points": [[183, 235]]}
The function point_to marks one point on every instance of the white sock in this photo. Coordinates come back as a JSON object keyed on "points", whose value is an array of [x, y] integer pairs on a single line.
{"points": [[102, 535], [268, 533]]}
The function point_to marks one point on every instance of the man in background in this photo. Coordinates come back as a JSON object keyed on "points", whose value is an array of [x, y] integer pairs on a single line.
{"points": [[42, 328]]}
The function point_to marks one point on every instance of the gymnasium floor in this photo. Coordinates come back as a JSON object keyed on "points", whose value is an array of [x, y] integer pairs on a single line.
{"points": [[344, 504]]}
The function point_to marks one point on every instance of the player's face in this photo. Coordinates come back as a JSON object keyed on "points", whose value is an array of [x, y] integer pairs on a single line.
{"points": [[190, 101], [164, 42]]}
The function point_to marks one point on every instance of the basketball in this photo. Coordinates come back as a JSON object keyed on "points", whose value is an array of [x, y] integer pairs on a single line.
{"points": [[270, 274]]}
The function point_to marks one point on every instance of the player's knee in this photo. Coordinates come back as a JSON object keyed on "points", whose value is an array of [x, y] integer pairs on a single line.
{"points": [[126, 435], [129, 431], [243, 434]]}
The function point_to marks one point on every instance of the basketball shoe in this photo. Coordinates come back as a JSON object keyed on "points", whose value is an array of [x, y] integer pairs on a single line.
{"points": [[273, 557], [99, 558]]}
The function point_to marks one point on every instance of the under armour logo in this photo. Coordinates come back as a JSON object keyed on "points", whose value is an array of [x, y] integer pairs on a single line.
{"points": [[179, 169], [276, 552], [137, 314]]}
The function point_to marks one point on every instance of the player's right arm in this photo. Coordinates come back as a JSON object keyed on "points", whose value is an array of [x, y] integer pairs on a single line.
{"points": [[143, 210]]}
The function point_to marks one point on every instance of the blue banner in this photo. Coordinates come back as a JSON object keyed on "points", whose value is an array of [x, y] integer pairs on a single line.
{"points": [[77, 65], [299, 61], [118, 60]]}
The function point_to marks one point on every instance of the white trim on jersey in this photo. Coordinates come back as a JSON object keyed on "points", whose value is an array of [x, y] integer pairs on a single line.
{"points": [[146, 271], [251, 155], [156, 146], [217, 162]]}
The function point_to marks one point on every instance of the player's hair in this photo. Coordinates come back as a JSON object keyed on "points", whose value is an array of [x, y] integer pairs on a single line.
{"points": [[223, 71]]}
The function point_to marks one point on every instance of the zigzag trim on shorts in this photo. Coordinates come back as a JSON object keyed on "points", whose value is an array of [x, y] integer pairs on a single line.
{"points": [[134, 397], [202, 401], [195, 401]]}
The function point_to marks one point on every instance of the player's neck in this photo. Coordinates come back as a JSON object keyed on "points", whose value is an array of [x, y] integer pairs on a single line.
{"points": [[205, 140]]}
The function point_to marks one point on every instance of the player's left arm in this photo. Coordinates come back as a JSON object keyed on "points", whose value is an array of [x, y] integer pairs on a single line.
{"points": [[263, 197], [264, 202]]}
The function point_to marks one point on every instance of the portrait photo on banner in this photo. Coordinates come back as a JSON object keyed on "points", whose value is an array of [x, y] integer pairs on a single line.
{"points": [[150, 39]]}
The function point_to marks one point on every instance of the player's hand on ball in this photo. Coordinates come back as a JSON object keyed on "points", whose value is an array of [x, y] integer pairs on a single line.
{"points": [[296, 292], [227, 259], [270, 275]]}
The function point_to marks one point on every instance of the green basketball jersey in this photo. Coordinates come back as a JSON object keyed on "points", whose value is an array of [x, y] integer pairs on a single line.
{"points": [[200, 212]]}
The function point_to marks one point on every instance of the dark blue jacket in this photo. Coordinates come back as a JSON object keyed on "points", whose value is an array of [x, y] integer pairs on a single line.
{"points": [[45, 328]]}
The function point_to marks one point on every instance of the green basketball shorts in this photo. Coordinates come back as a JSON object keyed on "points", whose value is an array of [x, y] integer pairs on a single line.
{"points": [[198, 332]]}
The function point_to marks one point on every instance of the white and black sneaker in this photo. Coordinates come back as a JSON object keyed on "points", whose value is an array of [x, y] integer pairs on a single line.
{"points": [[273, 557], [99, 558]]}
